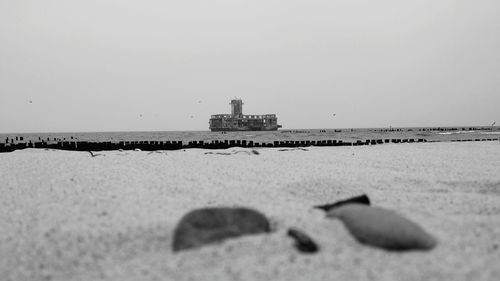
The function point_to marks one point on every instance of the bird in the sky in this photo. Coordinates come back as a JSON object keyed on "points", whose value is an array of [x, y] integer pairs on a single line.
{"points": [[334, 114], [31, 101]]}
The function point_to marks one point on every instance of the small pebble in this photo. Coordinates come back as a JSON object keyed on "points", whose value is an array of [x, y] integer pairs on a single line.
{"points": [[303, 242]]}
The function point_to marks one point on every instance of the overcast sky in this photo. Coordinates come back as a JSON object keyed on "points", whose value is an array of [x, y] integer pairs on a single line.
{"points": [[100, 65]]}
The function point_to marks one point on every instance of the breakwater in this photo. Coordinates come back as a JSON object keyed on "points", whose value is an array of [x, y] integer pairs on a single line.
{"points": [[11, 145], [347, 135]]}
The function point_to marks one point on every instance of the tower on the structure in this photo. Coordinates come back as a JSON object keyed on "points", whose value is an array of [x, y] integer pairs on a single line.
{"points": [[236, 107]]}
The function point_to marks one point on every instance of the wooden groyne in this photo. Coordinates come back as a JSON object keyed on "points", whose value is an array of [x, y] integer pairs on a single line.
{"points": [[214, 144]]}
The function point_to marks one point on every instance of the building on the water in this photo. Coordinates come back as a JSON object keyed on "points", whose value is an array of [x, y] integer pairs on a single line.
{"points": [[236, 121]]}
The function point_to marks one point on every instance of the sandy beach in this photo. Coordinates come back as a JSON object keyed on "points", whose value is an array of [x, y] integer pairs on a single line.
{"points": [[69, 216]]}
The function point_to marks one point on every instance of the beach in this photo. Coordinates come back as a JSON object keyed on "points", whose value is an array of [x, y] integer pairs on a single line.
{"points": [[69, 215]]}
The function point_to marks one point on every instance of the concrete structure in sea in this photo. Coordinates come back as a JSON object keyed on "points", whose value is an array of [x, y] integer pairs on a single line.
{"points": [[237, 121]]}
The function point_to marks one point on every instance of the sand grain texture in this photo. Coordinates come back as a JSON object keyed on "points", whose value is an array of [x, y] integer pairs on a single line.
{"points": [[69, 216]]}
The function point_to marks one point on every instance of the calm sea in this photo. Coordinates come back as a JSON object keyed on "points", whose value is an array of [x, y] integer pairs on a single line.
{"points": [[430, 134]]}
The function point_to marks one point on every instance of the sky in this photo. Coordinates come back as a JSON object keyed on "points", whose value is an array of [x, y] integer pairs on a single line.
{"points": [[159, 65]]}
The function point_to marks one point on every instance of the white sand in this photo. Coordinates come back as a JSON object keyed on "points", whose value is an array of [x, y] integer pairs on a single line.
{"points": [[70, 216]]}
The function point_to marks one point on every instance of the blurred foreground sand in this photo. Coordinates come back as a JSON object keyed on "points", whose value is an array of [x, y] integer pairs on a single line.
{"points": [[69, 216]]}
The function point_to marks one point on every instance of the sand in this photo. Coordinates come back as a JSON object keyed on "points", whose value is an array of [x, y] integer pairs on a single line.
{"points": [[69, 216]]}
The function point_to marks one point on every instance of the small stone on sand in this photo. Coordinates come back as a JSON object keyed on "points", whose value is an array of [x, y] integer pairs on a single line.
{"points": [[210, 225], [383, 228], [303, 242]]}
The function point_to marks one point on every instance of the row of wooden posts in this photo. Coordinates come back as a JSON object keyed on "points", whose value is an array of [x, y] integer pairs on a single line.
{"points": [[214, 144]]}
